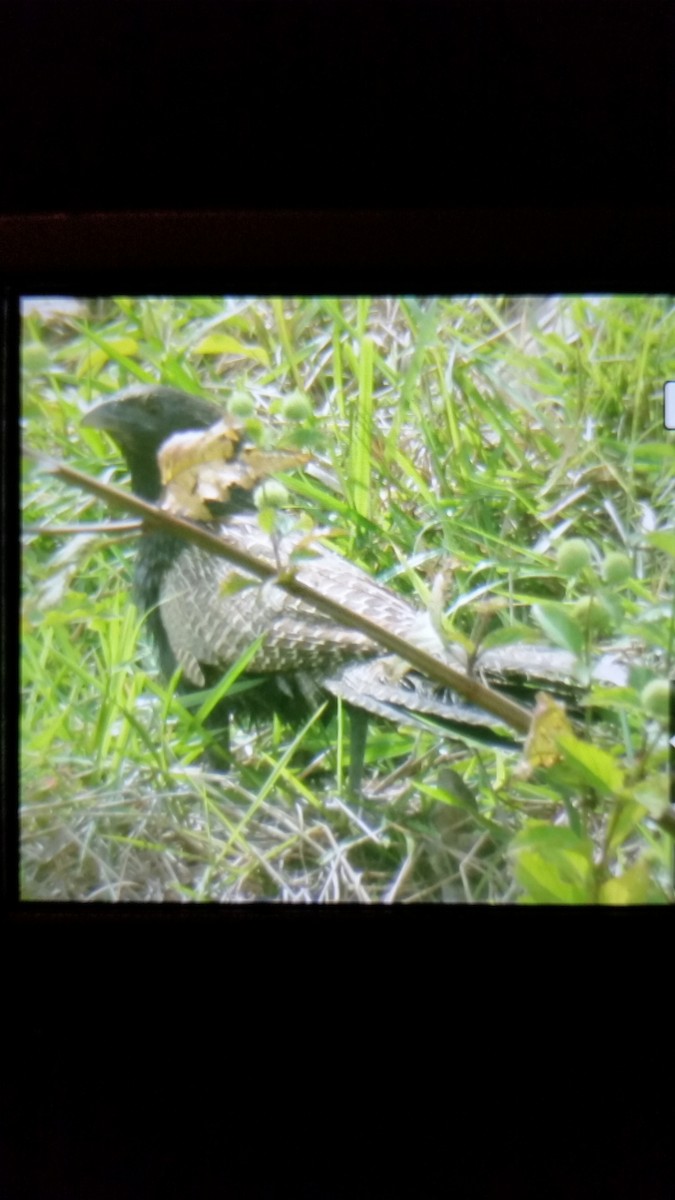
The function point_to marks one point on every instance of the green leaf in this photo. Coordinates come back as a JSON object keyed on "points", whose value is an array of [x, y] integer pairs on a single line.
{"points": [[506, 635], [215, 695], [553, 864], [654, 452], [111, 348], [268, 519], [558, 626], [626, 819], [452, 790], [224, 343], [118, 349], [653, 794], [633, 887], [235, 583], [555, 881], [594, 766], [663, 541], [361, 433]]}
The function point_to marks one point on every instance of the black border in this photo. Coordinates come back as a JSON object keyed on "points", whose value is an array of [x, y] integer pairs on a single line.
{"points": [[131, 126], [460, 250]]}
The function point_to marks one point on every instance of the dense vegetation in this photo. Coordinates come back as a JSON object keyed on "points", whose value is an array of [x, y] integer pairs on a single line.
{"points": [[512, 450]]}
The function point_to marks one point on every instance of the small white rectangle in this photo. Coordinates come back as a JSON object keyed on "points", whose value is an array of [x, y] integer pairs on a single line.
{"points": [[669, 404]]}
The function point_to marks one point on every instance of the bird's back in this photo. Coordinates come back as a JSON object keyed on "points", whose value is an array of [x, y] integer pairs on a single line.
{"points": [[212, 612]]}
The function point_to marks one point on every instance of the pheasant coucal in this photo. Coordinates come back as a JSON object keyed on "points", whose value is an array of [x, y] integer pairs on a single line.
{"points": [[201, 622]]}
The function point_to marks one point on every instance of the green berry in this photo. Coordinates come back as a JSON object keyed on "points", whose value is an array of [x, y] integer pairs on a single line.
{"points": [[616, 568], [297, 407], [35, 357], [655, 698], [240, 404], [594, 614], [573, 556]]}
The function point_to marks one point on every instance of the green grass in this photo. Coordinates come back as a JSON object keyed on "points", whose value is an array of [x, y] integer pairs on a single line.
{"points": [[467, 440]]}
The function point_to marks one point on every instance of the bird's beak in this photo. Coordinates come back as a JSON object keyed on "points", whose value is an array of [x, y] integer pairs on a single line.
{"points": [[101, 417]]}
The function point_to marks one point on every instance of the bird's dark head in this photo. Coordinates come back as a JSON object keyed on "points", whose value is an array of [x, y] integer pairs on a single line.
{"points": [[140, 419]]}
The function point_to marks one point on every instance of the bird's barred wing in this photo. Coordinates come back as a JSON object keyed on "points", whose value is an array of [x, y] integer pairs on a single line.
{"points": [[212, 612]]}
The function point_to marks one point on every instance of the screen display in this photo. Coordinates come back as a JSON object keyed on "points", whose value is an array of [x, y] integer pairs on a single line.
{"points": [[430, 660]]}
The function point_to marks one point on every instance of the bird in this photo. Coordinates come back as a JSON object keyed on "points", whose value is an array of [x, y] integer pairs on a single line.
{"points": [[202, 620]]}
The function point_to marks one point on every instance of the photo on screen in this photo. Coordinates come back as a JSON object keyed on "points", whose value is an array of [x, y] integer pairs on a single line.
{"points": [[346, 599]]}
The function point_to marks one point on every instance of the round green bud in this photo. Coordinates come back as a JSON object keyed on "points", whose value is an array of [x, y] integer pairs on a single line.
{"points": [[591, 612], [616, 568], [35, 357], [573, 556], [271, 494], [655, 698], [297, 407], [240, 404]]}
